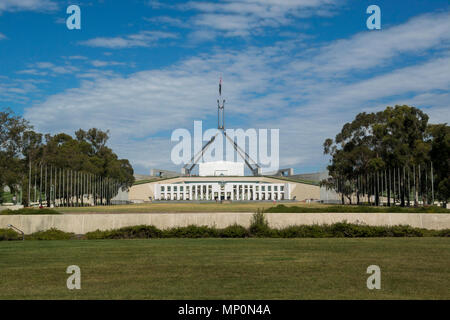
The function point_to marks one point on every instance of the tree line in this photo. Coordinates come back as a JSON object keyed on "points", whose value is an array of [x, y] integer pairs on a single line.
{"points": [[393, 156], [86, 156]]}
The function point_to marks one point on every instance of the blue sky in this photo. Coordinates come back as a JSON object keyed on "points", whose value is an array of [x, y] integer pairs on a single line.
{"points": [[145, 68]]}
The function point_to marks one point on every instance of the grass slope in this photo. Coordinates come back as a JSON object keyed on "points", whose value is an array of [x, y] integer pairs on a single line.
{"points": [[411, 268], [242, 207]]}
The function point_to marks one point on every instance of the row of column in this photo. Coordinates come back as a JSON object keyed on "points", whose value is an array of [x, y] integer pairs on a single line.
{"points": [[222, 191]]}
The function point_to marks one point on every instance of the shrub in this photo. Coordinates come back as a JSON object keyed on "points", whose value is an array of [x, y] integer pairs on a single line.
{"points": [[443, 233], [259, 226], [355, 208], [135, 232], [29, 211], [8, 234], [406, 231], [234, 231], [191, 231], [304, 231], [50, 234]]}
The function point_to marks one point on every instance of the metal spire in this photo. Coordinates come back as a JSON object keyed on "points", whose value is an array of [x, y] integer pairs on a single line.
{"points": [[220, 109]]}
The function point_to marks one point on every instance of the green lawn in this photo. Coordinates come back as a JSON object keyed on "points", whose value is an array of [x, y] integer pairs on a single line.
{"points": [[411, 268], [241, 207], [179, 207]]}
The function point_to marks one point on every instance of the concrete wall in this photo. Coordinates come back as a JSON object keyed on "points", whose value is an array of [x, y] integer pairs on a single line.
{"points": [[141, 192], [82, 223], [304, 191], [217, 168]]}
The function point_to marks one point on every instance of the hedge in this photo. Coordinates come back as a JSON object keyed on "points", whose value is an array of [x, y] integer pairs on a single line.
{"points": [[355, 208], [29, 211], [259, 227]]}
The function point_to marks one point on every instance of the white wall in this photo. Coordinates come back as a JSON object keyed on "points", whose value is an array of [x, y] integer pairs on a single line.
{"points": [[217, 168], [82, 223]]}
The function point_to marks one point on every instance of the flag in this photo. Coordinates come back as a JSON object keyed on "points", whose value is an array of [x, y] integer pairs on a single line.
{"points": [[220, 86]]}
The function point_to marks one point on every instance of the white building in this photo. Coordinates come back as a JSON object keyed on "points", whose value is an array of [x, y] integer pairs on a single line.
{"points": [[222, 190], [221, 168], [222, 180]]}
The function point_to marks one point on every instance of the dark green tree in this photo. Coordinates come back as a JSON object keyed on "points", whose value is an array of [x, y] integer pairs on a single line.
{"points": [[440, 156], [373, 143]]}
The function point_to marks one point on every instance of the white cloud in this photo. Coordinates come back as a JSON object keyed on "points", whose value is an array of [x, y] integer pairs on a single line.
{"points": [[27, 5], [240, 18], [166, 21], [17, 90], [142, 39], [77, 58], [270, 87], [101, 63], [371, 49], [48, 68]]}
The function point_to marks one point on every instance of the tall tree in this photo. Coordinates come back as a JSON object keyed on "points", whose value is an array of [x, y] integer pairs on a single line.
{"points": [[440, 156], [394, 137], [13, 130]]}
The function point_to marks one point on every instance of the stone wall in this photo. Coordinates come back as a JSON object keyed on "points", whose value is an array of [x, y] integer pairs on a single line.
{"points": [[82, 223]]}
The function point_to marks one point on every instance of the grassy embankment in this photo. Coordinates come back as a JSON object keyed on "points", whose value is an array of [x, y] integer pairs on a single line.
{"points": [[411, 268]]}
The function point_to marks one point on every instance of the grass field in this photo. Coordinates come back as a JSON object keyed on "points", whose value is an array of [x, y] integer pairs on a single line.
{"points": [[180, 207], [411, 268], [241, 207]]}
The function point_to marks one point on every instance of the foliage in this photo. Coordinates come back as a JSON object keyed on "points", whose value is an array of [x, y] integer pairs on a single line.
{"points": [[234, 231], [9, 234], [191, 231], [29, 211], [259, 226], [134, 232], [22, 149], [443, 233], [51, 234], [260, 230], [440, 155], [353, 208], [398, 136], [13, 142]]}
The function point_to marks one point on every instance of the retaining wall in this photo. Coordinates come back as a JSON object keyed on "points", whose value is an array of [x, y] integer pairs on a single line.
{"points": [[82, 223]]}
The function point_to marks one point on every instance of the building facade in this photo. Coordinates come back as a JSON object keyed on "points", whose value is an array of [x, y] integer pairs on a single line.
{"points": [[222, 190], [247, 188]]}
